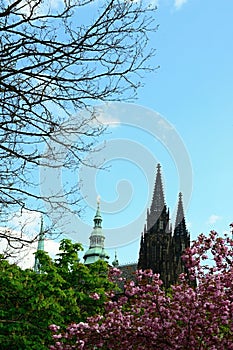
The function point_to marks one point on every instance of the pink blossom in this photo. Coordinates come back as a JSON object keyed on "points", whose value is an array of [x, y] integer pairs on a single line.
{"points": [[95, 296], [189, 316]]}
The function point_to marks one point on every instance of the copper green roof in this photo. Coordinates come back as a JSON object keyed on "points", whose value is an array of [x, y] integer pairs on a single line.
{"points": [[96, 249]]}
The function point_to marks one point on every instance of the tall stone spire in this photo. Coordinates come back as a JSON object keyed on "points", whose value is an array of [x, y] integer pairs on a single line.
{"points": [[40, 246], [96, 249], [181, 239], [158, 202], [180, 225]]}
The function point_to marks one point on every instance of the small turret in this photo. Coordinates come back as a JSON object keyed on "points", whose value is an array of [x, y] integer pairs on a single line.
{"points": [[115, 262]]}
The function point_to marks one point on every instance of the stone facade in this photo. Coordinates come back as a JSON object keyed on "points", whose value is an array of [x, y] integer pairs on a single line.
{"points": [[161, 248]]}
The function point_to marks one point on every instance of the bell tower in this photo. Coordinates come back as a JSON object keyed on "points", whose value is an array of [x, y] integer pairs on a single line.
{"points": [[96, 249]]}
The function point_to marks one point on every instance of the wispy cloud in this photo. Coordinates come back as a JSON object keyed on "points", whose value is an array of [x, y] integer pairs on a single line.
{"points": [[27, 222], [25, 257], [107, 119], [179, 3], [25, 225], [213, 219]]}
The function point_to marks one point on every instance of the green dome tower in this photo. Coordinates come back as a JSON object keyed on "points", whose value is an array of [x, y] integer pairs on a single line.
{"points": [[96, 250]]}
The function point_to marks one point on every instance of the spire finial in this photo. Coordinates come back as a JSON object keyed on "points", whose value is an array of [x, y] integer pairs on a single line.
{"points": [[98, 217]]}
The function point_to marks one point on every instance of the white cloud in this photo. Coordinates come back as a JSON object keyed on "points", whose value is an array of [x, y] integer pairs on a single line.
{"points": [[107, 120], [179, 3], [25, 257], [25, 225], [213, 219], [52, 247], [55, 3], [27, 222]]}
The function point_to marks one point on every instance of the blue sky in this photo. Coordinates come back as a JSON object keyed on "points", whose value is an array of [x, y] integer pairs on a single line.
{"points": [[193, 93], [193, 90]]}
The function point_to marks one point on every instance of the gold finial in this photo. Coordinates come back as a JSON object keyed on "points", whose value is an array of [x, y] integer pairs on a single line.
{"points": [[98, 199]]}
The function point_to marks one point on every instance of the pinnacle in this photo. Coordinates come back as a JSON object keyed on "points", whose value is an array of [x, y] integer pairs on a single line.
{"points": [[180, 211], [158, 201]]}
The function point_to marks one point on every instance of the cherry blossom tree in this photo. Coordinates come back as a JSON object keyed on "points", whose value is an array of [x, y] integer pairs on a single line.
{"points": [[187, 316]]}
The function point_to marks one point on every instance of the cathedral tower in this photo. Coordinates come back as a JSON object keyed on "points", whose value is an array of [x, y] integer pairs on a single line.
{"points": [[160, 249]]}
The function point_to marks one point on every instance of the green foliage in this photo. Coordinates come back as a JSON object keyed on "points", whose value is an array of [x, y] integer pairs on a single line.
{"points": [[61, 293]]}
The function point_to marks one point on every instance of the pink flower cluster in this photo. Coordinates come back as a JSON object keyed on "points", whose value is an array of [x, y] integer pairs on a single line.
{"points": [[95, 296], [188, 316]]}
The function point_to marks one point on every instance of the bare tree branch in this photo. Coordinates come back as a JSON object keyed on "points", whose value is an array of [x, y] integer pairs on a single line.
{"points": [[54, 62]]}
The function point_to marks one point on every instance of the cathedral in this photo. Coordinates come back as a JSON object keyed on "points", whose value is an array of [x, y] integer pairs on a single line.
{"points": [[160, 249]]}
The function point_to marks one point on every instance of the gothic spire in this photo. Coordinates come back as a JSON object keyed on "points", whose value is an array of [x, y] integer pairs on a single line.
{"points": [[40, 245], [180, 225], [158, 202], [180, 211]]}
